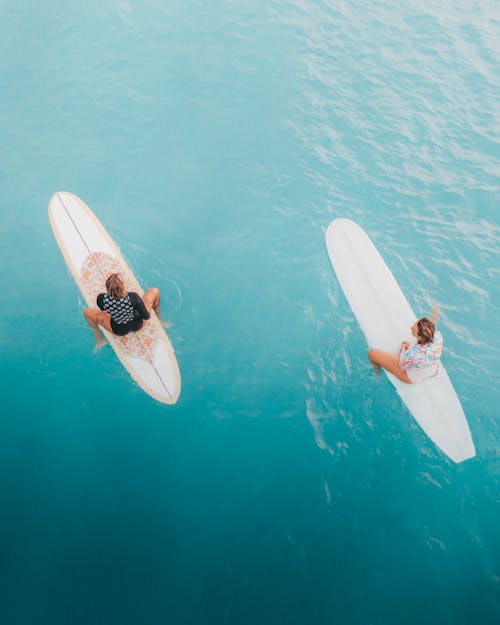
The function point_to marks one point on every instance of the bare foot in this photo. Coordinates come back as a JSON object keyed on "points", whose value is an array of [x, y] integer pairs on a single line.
{"points": [[377, 369], [165, 324], [100, 340]]}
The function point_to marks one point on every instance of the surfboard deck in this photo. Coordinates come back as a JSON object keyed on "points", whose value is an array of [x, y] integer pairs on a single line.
{"points": [[385, 317], [91, 256]]}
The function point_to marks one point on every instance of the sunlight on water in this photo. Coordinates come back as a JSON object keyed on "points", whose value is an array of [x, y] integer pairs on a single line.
{"points": [[216, 141]]}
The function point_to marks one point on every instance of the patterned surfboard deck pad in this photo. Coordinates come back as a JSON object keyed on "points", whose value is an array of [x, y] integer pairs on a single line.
{"points": [[94, 272]]}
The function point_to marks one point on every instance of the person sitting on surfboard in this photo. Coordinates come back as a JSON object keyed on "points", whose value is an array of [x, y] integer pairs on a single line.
{"points": [[120, 311], [414, 362]]}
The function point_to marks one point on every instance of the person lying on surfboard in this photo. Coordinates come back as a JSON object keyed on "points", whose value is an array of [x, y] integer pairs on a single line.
{"points": [[121, 311], [417, 362]]}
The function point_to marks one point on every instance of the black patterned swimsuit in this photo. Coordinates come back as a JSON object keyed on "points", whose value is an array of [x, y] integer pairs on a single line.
{"points": [[127, 313]]}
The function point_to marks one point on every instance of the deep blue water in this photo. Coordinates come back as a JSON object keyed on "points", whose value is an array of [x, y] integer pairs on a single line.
{"points": [[216, 141]]}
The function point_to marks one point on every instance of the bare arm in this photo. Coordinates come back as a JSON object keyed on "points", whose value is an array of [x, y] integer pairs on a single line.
{"points": [[435, 314]]}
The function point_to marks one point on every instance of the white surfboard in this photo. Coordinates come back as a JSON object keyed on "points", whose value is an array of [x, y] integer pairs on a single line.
{"points": [[385, 316], [91, 256]]}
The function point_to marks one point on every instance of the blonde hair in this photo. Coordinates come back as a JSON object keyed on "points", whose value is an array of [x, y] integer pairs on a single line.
{"points": [[425, 330], [115, 286]]}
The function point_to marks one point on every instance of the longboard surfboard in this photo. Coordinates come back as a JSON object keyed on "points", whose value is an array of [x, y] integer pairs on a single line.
{"points": [[385, 317], [91, 256]]}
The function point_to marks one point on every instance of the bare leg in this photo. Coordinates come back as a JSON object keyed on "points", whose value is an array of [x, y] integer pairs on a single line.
{"points": [[96, 318], [390, 362], [151, 299]]}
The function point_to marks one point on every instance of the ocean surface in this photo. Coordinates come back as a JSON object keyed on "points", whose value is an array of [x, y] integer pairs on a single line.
{"points": [[216, 140]]}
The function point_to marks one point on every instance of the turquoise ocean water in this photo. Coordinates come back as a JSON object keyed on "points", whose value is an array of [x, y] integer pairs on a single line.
{"points": [[216, 141]]}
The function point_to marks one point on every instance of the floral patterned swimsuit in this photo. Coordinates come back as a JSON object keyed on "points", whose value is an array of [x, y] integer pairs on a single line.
{"points": [[422, 361]]}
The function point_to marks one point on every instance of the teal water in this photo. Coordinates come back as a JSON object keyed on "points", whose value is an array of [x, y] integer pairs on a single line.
{"points": [[216, 141]]}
